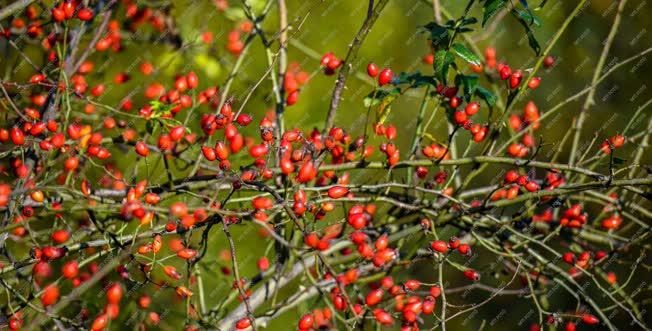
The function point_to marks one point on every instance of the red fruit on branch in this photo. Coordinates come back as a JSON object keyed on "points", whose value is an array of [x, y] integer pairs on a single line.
{"points": [[50, 295], [590, 319], [337, 192], [374, 297], [142, 149], [383, 317], [472, 275], [17, 136], [243, 323], [385, 77], [472, 108], [439, 246], [372, 70], [114, 293], [306, 322], [100, 322]]}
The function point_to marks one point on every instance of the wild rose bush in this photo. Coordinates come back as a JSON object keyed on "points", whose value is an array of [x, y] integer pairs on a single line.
{"points": [[180, 207]]}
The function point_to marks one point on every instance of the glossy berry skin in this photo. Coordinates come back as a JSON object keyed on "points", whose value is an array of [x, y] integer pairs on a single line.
{"points": [[85, 14], [374, 297], [142, 149], [17, 136], [385, 77], [306, 321], [472, 275], [590, 319], [243, 323], [439, 246], [50, 295], [337, 192], [383, 317], [372, 70], [460, 117], [100, 322], [114, 293], [472, 108], [511, 176], [464, 249], [569, 258], [70, 269], [505, 72], [515, 79], [292, 98], [534, 83], [532, 186]]}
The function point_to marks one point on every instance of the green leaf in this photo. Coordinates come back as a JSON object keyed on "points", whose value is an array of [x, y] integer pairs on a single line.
{"points": [[415, 79], [543, 3], [485, 95], [439, 35], [209, 64], [529, 17], [235, 13], [469, 82], [466, 54], [534, 44], [469, 21], [442, 61], [491, 8], [376, 97], [151, 126], [383, 99], [618, 161]]}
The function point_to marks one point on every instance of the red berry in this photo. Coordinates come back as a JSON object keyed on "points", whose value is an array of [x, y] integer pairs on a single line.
{"points": [[590, 319], [372, 70], [243, 323], [292, 98], [374, 297], [505, 72], [17, 136], [439, 246], [472, 108], [515, 79], [142, 149], [85, 14], [70, 269], [385, 77], [50, 295], [532, 186], [114, 293], [464, 249], [243, 119], [306, 322], [511, 176], [177, 132], [383, 317], [534, 83], [460, 117], [337, 192], [472, 275], [263, 263], [569, 258], [100, 322]]}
